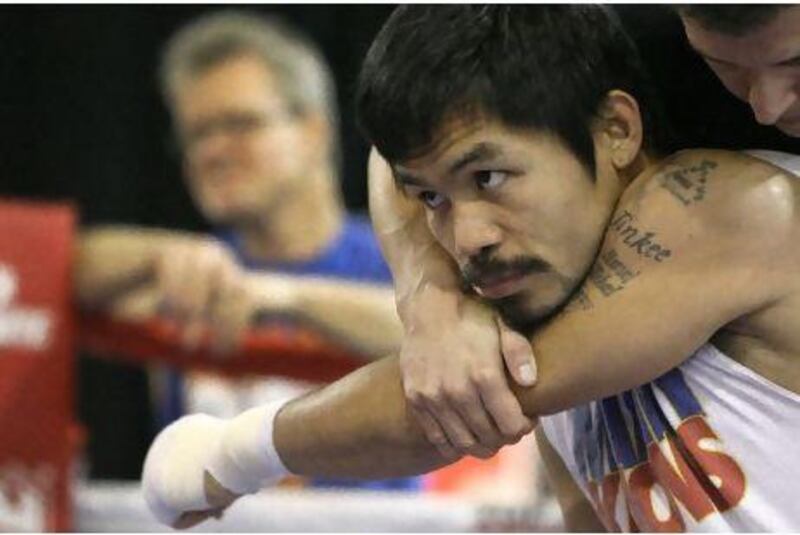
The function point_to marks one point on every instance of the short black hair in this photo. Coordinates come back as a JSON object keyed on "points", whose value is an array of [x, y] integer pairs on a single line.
{"points": [[536, 67], [731, 19]]}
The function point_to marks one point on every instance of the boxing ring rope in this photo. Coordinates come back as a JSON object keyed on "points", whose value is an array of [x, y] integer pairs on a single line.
{"points": [[268, 350], [38, 487]]}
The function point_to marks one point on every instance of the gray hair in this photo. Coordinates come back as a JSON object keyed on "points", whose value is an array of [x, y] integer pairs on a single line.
{"points": [[303, 75]]}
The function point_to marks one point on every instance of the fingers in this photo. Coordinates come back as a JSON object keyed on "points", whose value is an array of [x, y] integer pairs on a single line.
{"points": [[435, 434], [231, 313], [458, 434], [198, 289], [177, 456], [455, 379], [490, 411], [517, 354], [450, 429], [192, 518], [506, 411], [169, 266], [218, 496], [477, 419], [202, 291], [495, 392], [182, 278]]}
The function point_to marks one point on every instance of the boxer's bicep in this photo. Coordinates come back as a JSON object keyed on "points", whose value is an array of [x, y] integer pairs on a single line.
{"points": [[667, 277]]}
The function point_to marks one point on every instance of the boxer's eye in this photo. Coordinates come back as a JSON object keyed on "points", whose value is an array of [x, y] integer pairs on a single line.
{"points": [[791, 62], [431, 199], [490, 179]]}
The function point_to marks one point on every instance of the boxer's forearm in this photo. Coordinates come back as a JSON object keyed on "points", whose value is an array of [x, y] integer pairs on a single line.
{"points": [[355, 427]]}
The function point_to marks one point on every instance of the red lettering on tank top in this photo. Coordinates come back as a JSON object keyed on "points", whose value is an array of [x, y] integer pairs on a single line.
{"points": [[641, 487], [682, 483], [720, 487], [604, 498], [716, 465]]}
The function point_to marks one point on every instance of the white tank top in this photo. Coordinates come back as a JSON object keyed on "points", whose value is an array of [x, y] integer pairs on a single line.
{"points": [[709, 446]]}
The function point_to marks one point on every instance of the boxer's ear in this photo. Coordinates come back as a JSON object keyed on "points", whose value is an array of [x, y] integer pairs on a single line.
{"points": [[620, 128]]}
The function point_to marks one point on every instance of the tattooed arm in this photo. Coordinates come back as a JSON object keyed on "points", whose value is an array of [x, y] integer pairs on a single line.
{"points": [[666, 289], [661, 287], [680, 240], [704, 241], [682, 229]]}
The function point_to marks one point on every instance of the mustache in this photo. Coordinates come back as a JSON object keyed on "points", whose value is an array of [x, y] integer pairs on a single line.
{"points": [[483, 267]]}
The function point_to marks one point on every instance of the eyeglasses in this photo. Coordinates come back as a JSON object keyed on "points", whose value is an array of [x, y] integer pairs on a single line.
{"points": [[234, 124]]}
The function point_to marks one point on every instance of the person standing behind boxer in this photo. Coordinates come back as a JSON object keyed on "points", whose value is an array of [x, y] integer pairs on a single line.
{"points": [[254, 110], [253, 105], [755, 52]]}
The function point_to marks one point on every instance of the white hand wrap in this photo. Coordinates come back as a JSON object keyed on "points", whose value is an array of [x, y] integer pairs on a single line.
{"points": [[246, 460], [239, 453]]}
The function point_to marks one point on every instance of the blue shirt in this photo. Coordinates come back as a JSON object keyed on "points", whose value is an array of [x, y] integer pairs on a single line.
{"points": [[355, 256]]}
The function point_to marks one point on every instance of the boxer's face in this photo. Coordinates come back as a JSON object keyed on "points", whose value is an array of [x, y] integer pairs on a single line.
{"points": [[245, 152], [516, 210], [761, 67]]}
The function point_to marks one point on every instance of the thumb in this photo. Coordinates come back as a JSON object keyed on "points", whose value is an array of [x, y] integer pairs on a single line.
{"points": [[517, 354]]}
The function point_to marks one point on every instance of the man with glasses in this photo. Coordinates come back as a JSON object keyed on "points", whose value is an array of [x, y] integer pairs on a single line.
{"points": [[254, 110]]}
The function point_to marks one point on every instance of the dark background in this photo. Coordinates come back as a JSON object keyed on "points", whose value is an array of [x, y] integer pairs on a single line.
{"points": [[82, 119], [82, 114]]}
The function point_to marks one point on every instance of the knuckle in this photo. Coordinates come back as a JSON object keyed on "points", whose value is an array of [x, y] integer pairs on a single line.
{"points": [[513, 432], [456, 393], [414, 396], [510, 425], [436, 438], [433, 397], [421, 397], [485, 378]]}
